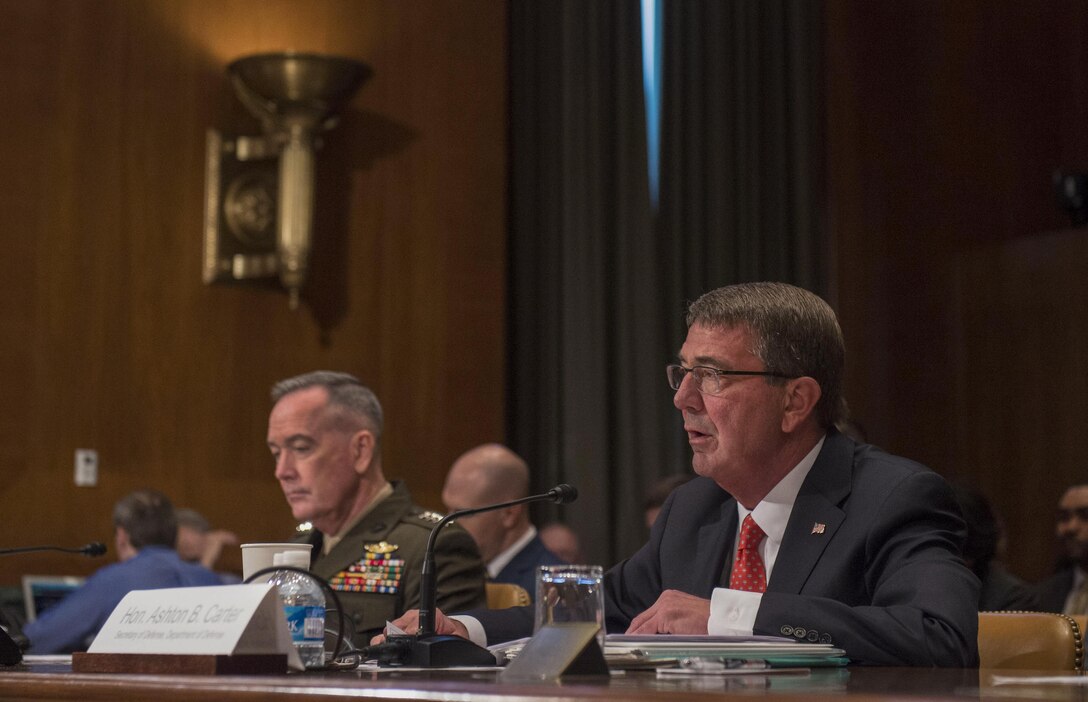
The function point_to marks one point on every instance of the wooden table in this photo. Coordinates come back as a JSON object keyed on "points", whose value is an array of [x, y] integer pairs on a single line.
{"points": [[57, 682]]}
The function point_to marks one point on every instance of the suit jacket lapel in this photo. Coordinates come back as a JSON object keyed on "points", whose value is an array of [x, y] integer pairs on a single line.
{"points": [[816, 515], [714, 549]]}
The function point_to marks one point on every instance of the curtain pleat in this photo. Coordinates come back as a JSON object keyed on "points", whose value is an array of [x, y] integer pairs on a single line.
{"points": [[598, 280]]}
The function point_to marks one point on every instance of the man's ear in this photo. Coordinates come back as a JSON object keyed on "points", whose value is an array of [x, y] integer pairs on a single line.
{"points": [[362, 447], [123, 543], [511, 515], [800, 400]]}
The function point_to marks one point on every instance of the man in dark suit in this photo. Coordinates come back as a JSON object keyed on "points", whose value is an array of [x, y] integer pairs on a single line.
{"points": [[792, 529], [369, 538], [1067, 590], [509, 545]]}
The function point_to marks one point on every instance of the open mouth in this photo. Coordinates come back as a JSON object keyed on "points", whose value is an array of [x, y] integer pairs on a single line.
{"points": [[695, 436]]}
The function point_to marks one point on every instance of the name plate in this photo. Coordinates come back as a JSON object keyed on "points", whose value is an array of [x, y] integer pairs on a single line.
{"points": [[216, 620]]}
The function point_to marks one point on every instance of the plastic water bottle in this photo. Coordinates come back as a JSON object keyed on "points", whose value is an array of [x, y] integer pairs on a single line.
{"points": [[304, 605]]}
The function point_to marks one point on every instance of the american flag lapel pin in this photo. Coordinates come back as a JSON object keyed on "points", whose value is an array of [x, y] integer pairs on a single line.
{"points": [[818, 528]]}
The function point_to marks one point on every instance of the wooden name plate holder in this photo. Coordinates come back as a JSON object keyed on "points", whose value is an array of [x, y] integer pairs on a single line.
{"points": [[180, 663]]}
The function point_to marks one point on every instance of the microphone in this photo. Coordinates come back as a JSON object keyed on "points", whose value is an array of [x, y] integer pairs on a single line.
{"points": [[431, 650], [91, 550]]}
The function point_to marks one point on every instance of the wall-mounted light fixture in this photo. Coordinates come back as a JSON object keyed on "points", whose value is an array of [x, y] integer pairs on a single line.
{"points": [[258, 211]]}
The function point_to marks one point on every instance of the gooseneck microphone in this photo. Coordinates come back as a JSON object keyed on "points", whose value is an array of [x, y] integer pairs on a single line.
{"points": [[91, 550], [560, 494], [430, 650]]}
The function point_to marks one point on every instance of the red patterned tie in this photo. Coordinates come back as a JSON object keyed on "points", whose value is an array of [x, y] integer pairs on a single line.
{"points": [[748, 571]]}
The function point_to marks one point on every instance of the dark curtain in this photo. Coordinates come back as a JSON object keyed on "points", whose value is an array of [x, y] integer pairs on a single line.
{"points": [[598, 282], [742, 166]]}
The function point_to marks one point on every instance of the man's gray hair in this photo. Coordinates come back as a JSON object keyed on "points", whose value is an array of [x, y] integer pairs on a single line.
{"points": [[194, 520], [148, 518], [796, 334], [345, 392]]}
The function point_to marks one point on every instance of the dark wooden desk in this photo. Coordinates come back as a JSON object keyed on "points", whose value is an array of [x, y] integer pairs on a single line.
{"points": [[56, 682]]}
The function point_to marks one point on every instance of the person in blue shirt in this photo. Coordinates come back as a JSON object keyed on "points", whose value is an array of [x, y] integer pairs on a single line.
{"points": [[145, 529], [509, 544]]}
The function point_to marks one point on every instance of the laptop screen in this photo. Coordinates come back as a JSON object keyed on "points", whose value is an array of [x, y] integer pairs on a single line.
{"points": [[40, 592]]}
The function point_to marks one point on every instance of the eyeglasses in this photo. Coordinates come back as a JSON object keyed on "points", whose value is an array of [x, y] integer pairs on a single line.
{"points": [[709, 380]]}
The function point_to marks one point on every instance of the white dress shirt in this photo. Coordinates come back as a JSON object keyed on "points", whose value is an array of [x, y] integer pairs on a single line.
{"points": [[734, 611], [496, 564]]}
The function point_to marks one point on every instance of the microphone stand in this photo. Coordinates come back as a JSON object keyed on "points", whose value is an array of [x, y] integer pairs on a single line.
{"points": [[95, 548], [428, 649]]}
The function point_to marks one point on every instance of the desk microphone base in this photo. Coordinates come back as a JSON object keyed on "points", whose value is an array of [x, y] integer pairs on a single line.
{"points": [[441, 651]]}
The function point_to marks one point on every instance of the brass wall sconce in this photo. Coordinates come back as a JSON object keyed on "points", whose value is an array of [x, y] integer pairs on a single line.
{"points": [[259, 204]]}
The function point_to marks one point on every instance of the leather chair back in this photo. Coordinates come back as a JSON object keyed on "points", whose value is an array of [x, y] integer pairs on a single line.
{"points": [[504, 595], [1029, 640]]}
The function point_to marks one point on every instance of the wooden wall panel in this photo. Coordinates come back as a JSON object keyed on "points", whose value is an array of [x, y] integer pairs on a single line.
{"points": [[111, 341], [1022, 308], [945, 123]]}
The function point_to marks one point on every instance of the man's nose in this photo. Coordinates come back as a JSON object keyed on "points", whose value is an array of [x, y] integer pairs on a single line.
{"points": [[284, 467], [687, 396]]}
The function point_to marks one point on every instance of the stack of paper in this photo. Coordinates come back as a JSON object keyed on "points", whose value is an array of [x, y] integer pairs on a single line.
{"points": [[622, 650]]}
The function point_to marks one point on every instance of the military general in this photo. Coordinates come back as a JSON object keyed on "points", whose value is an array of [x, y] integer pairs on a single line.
{"points": [[325, 433]]}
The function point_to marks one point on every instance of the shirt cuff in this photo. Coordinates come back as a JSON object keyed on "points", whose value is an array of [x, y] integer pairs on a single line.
{"points": [[476, 633], [733, 612]]}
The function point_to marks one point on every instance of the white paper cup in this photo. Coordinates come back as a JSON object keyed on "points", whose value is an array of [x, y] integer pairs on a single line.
{"points": [[258, 556]]}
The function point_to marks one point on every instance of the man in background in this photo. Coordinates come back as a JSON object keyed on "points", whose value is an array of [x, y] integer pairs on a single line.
{"points": [[145, 530], [983, 551], [563, 541], [658, 492], [199, 543], [325, 433], [508, 542], [1067, 590]]}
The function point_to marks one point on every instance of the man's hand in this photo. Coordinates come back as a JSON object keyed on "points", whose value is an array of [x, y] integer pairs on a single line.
{"points": [[409, 622], [674, 612], [214, 541]]}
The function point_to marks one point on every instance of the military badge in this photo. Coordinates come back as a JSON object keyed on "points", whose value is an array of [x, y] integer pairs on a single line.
{"points": [[375, 572]]}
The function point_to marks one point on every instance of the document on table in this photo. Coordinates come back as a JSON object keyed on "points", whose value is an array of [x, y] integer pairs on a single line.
{"points": [[621, 649], [1076, 680], [717, 667]]}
